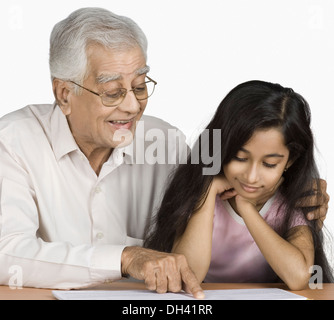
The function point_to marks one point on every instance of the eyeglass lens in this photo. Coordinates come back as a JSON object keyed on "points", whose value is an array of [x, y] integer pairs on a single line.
{"points": [[116, 96]]}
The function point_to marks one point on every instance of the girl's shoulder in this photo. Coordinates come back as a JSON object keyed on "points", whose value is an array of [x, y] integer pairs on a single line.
{"points": [[279, 214]]}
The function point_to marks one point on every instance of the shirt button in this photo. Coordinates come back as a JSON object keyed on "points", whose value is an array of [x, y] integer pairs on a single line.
{"points": [[98, 189], [100, 236]]}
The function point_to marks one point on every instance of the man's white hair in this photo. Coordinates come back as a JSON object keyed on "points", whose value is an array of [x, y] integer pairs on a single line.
{"points": [[71, 37]]}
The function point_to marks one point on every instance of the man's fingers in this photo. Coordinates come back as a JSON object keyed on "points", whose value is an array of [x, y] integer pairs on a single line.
{"points": [[319, 205], [317, 199], [318, 196], [191, 284], [164, 274], [313, 200], [318, 213], [174, 280], [161, 271], [161, 281], [151, 280], [322, 183]]}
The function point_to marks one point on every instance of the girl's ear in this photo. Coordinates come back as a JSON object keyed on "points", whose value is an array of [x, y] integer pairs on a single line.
{"points": [[61, 92], [289, 164]]}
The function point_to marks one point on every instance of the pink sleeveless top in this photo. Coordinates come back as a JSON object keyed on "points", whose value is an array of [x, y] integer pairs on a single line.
{"points": [[235, 256]]}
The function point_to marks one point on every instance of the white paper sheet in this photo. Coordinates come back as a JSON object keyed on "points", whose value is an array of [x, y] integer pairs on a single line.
{"points": [[235, 294]]}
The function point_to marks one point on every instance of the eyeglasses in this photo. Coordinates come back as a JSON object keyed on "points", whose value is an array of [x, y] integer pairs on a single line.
{"points": [[115, 97]]}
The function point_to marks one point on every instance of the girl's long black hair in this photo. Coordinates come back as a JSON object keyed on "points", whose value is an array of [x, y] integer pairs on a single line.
{"points": [[250, 106]]}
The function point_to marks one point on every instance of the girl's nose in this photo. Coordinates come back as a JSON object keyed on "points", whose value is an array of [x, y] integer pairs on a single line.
{"points": [[252, 174]]}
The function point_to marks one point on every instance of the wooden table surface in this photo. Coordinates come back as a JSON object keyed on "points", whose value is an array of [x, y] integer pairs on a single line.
{"points": [[7, 293]]}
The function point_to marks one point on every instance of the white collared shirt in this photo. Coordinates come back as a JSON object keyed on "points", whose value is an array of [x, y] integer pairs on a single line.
{"points": [[60, 224]]}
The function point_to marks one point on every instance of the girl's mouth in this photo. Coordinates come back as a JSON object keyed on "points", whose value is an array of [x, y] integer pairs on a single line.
{"points": [[247, 188]]}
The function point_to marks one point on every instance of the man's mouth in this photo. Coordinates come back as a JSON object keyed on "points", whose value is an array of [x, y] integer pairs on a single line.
{"points": [[121, 124]]}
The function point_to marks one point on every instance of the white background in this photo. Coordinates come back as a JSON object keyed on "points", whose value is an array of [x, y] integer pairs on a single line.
{"points": [[198, 51]]}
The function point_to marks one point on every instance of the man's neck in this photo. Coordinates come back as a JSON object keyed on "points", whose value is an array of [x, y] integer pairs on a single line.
{"points": [[97, 160], [96, 157]]}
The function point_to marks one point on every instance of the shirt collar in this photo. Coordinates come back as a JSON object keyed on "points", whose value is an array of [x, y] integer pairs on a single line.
{"points": [[124, 154], [62, 139]]}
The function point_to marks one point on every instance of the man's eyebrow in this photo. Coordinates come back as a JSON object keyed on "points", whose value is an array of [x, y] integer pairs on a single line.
{"points": [[271, 155], [142, 71], [105, 78]]}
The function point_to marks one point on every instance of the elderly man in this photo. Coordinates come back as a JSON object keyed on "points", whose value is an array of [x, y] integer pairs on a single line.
{"points": [[76, 193], [76, 190]]}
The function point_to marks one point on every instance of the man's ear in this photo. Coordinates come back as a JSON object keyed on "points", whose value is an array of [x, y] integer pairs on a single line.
{"points": [[61, 92]]}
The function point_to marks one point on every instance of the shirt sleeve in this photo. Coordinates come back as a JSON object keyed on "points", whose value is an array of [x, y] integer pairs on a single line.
{"points": [[298, 219], [43, 263]]}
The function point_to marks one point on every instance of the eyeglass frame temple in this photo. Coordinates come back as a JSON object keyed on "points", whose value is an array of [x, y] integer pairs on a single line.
{"points": [[100, 94]]}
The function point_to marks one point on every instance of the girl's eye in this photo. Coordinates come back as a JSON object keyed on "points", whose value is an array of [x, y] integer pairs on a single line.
{"points": [[268, 165], [240, 159]]}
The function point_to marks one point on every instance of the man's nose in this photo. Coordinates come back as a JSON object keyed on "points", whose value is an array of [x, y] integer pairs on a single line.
{"points": [[130, 104]]}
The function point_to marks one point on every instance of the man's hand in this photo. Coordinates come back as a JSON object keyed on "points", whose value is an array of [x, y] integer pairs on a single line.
{"points": [[319, 200], [161, 271]]}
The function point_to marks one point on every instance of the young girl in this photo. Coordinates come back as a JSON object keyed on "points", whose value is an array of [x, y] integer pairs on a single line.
{"points": [[244, 224]]}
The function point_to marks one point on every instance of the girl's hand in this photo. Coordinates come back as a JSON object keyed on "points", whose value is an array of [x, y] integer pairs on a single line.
{"points": [[221, 186], [244, 204]]}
